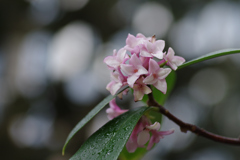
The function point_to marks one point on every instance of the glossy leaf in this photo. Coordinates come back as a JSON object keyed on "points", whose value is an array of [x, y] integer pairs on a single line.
{"points": [[138, 154], [90, 115], [210, 56], [108, 141]]}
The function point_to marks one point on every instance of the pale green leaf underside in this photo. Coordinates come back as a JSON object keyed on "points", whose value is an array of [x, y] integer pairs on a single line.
{"points": [[108, 141], [210, 56], [89, 116]]}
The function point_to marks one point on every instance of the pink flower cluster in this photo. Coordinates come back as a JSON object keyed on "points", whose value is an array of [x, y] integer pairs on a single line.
{"points": [[141, 133], [138, 63]]}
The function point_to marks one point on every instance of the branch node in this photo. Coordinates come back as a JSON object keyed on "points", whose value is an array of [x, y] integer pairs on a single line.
{"points": [[183, 129]]}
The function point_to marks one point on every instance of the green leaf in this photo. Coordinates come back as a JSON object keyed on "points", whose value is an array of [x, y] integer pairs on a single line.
{"points": [[210, 56], [90, 115], [138, 154], [108, 141]]}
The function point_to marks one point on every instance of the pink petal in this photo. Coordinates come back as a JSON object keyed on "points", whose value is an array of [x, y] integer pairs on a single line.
{"points": [[114, 110], [163, 133], [131, 146], [175, 62], [111, 61], [159, 44], [127, 68], [150, 79], [170, 53], [143, 137], [141, 70], [163, 73], [131, 41], [154, 139], [138, 95], [158, 54], [140, 89], [150, 46], [146, 89], [132, 79], [161, 85], [135, 60], [140, 35], [113, 87], [145, 53], [153, 66], [113, 104], [121, 55], [178, 60]]}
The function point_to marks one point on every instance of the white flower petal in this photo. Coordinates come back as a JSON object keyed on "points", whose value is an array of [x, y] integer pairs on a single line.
{"points": [[161, 85], [156, 126], [127, 69], [153, 66], [163, 73], [134, 60], [112, 61], [150, 79], [158, 54], [138, 95], [141, 70], [143, 137], [131, 80], [144, 53]]}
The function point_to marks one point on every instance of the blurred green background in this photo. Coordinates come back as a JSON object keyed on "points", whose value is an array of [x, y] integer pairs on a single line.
{"points": [[52, 72]]}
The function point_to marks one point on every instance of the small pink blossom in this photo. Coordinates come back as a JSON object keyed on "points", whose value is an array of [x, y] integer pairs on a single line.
{"points": [[134, 69], [115, 84], [114, 110], [141, 135], [156, 136], [132, 143], [153, 49], [113, 62], [173, 61], [133, 44], [157, 76], [140, 89]]}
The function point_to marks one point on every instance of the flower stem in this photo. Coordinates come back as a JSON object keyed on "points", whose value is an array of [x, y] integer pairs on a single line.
{"points": [[190, 127]]}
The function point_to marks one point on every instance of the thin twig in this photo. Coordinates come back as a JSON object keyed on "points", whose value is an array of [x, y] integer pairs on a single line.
{"points": [[190, 127]]}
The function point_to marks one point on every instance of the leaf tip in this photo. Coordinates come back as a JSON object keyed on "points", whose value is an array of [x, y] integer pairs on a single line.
{"points": [[63, 150]]}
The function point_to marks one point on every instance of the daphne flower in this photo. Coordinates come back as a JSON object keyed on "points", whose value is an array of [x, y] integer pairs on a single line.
{"points": [[153, 49], [114, 110], [157, 135], [141, 134], [140, 89], [133, 44], [157, 76], [144, 136], [173, 61], [134, 69], [132, 143], [115, 84], [117, 59]]}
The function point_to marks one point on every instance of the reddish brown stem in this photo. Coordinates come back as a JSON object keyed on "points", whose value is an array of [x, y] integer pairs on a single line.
{"points": [[190, 127]]}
